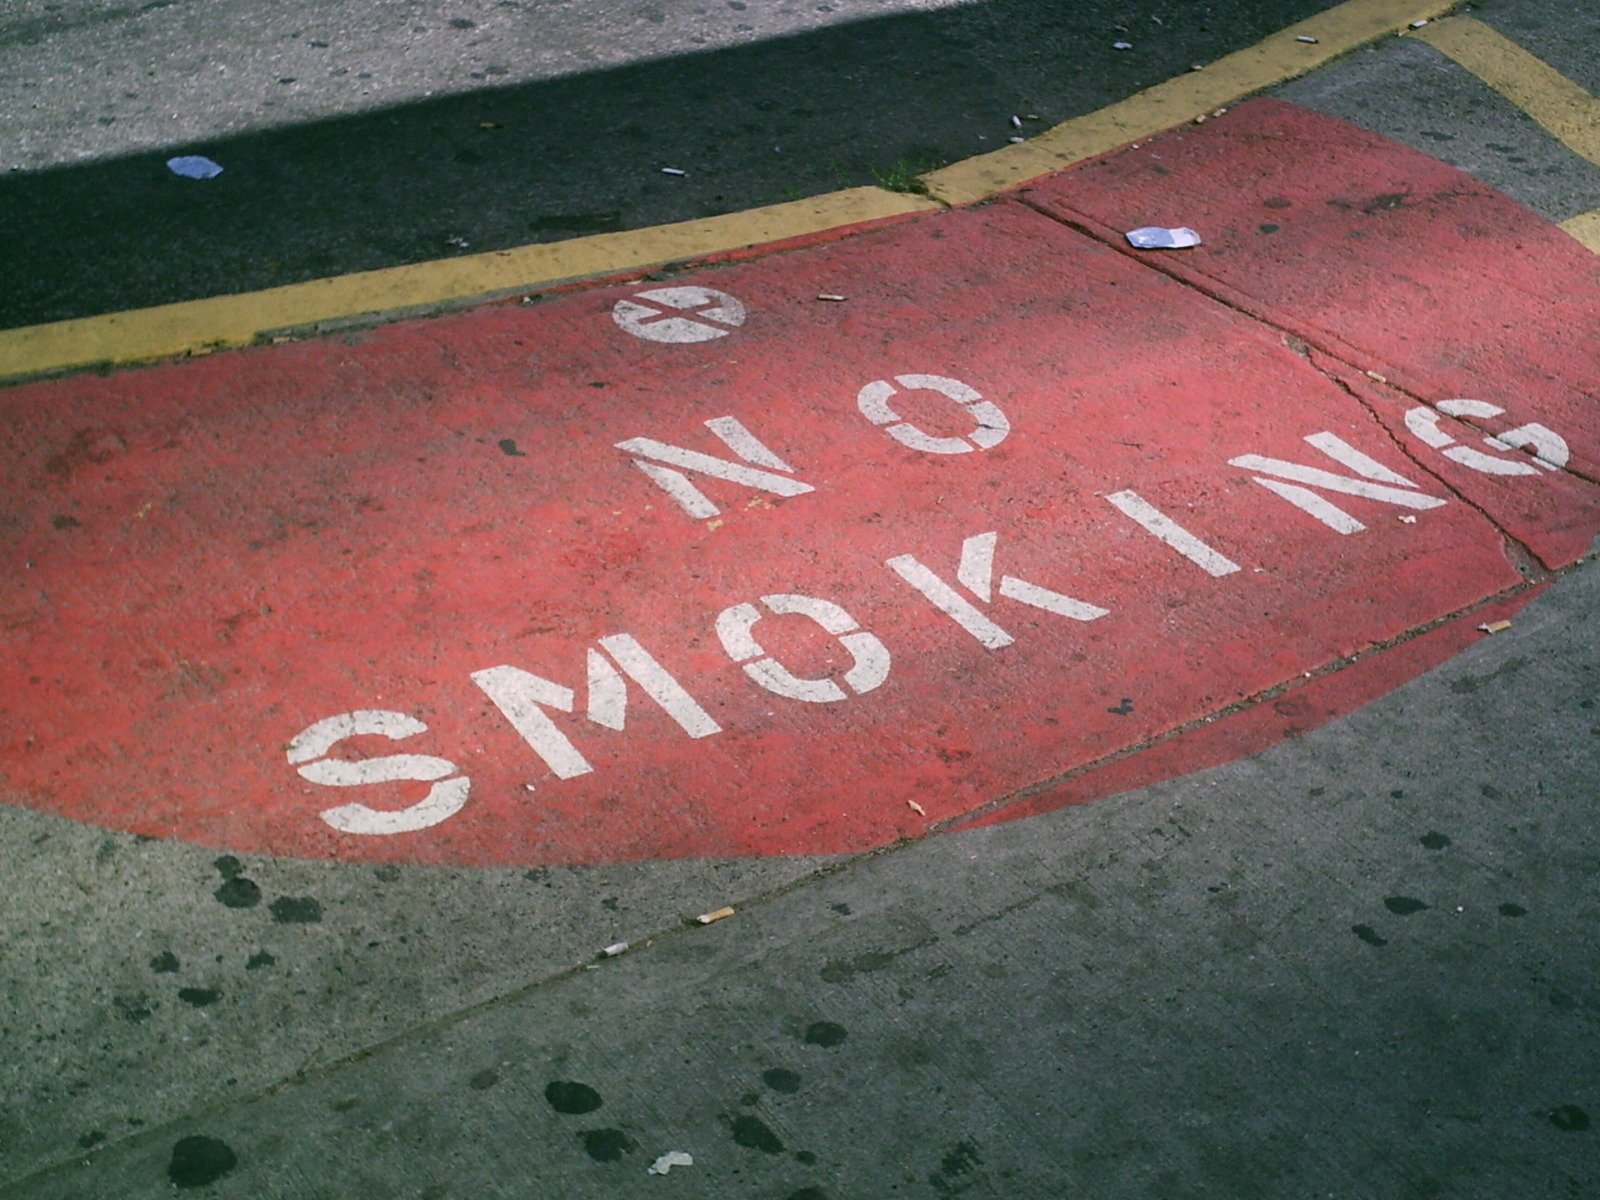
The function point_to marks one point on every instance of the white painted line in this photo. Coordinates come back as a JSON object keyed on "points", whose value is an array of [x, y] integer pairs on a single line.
{"points": [[1155, 521]]}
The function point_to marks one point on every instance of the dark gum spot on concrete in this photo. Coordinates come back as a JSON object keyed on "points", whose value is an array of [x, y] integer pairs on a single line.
{"points": [[1403, 906], [825, 1033], [1569, 1118], [607, 1145], [296, 910], [572, 1098], [239, 892], [752, 1133], [198, 1161], [781, 1080]]}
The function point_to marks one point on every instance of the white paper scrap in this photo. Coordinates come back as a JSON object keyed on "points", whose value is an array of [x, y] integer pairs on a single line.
{"points": [[672, 1158], [1153, 237], [193, 166]]}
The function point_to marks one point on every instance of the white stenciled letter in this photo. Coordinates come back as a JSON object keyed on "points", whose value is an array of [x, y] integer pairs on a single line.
{"points": [[992, 426], [1390, 487], [1151, 518], [735, 626], [976, 574], [443, 800], [523, 697], [1549, 448], [658, 460]]}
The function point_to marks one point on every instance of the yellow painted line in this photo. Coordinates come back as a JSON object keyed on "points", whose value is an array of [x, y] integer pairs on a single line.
{"points": [[145, 334], [1586, 228], [1562, 107], [1274, 60]]}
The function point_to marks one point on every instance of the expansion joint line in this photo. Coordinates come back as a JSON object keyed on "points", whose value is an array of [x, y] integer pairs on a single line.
{"points": [[1242, 305]]}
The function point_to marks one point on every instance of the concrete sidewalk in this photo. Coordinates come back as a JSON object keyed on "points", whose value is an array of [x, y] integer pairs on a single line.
{"points": [[1357, 963]]}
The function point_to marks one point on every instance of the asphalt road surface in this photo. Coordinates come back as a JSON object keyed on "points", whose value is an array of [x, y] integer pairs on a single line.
{"points": [[362, 136]]}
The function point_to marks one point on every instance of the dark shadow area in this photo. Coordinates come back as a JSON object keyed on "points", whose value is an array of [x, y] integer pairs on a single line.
{"points": [[874, 101]]}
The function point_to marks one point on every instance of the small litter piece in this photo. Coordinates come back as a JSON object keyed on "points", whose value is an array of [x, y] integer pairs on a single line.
{"points": [[916, 808], [1408, 519], [460, 243], [1154, 237], [1376, 378], [615, 949], [1495, 627], [1016, 140], [1016, 121], [1122, 45], [672, 1158], [829, 296], [193, 166], [1419, 24], [716, 915], [1307, 39], [673, 171]]}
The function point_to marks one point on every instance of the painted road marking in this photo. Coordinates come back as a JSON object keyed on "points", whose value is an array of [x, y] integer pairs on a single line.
{"points": [[1271, 61], [976, 574], [1294, 481], [149, 334], [992, 426], [1151, 518], [1585, 227], [167, 330], [356, 627], [870, 657], [1563, 108], [443, 800], [518, 694], [650, 455], [678, 315], [1548, 449]]}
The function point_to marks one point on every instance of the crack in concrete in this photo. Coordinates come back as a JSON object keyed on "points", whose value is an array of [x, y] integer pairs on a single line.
{"points": [[1308, 346], [1518, 553]]}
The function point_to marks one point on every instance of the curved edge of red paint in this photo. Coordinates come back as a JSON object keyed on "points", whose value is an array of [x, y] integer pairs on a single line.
{"points": [[1298, 710]]}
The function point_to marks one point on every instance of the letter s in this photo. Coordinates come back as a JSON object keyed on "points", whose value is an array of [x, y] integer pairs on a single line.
{"points": [[442, 802]]}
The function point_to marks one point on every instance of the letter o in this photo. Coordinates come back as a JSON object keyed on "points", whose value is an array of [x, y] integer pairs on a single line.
{"points": [[736, 625], [873, 401]]}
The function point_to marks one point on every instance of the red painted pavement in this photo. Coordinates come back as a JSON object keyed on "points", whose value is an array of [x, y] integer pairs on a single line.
{"points": [[1389, 259], [211, 560]]}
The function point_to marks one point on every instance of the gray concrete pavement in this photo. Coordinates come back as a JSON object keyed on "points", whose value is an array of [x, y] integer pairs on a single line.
{"points": [[90, 80], [1361, 964], [1358, 965], [1447, 113]]}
